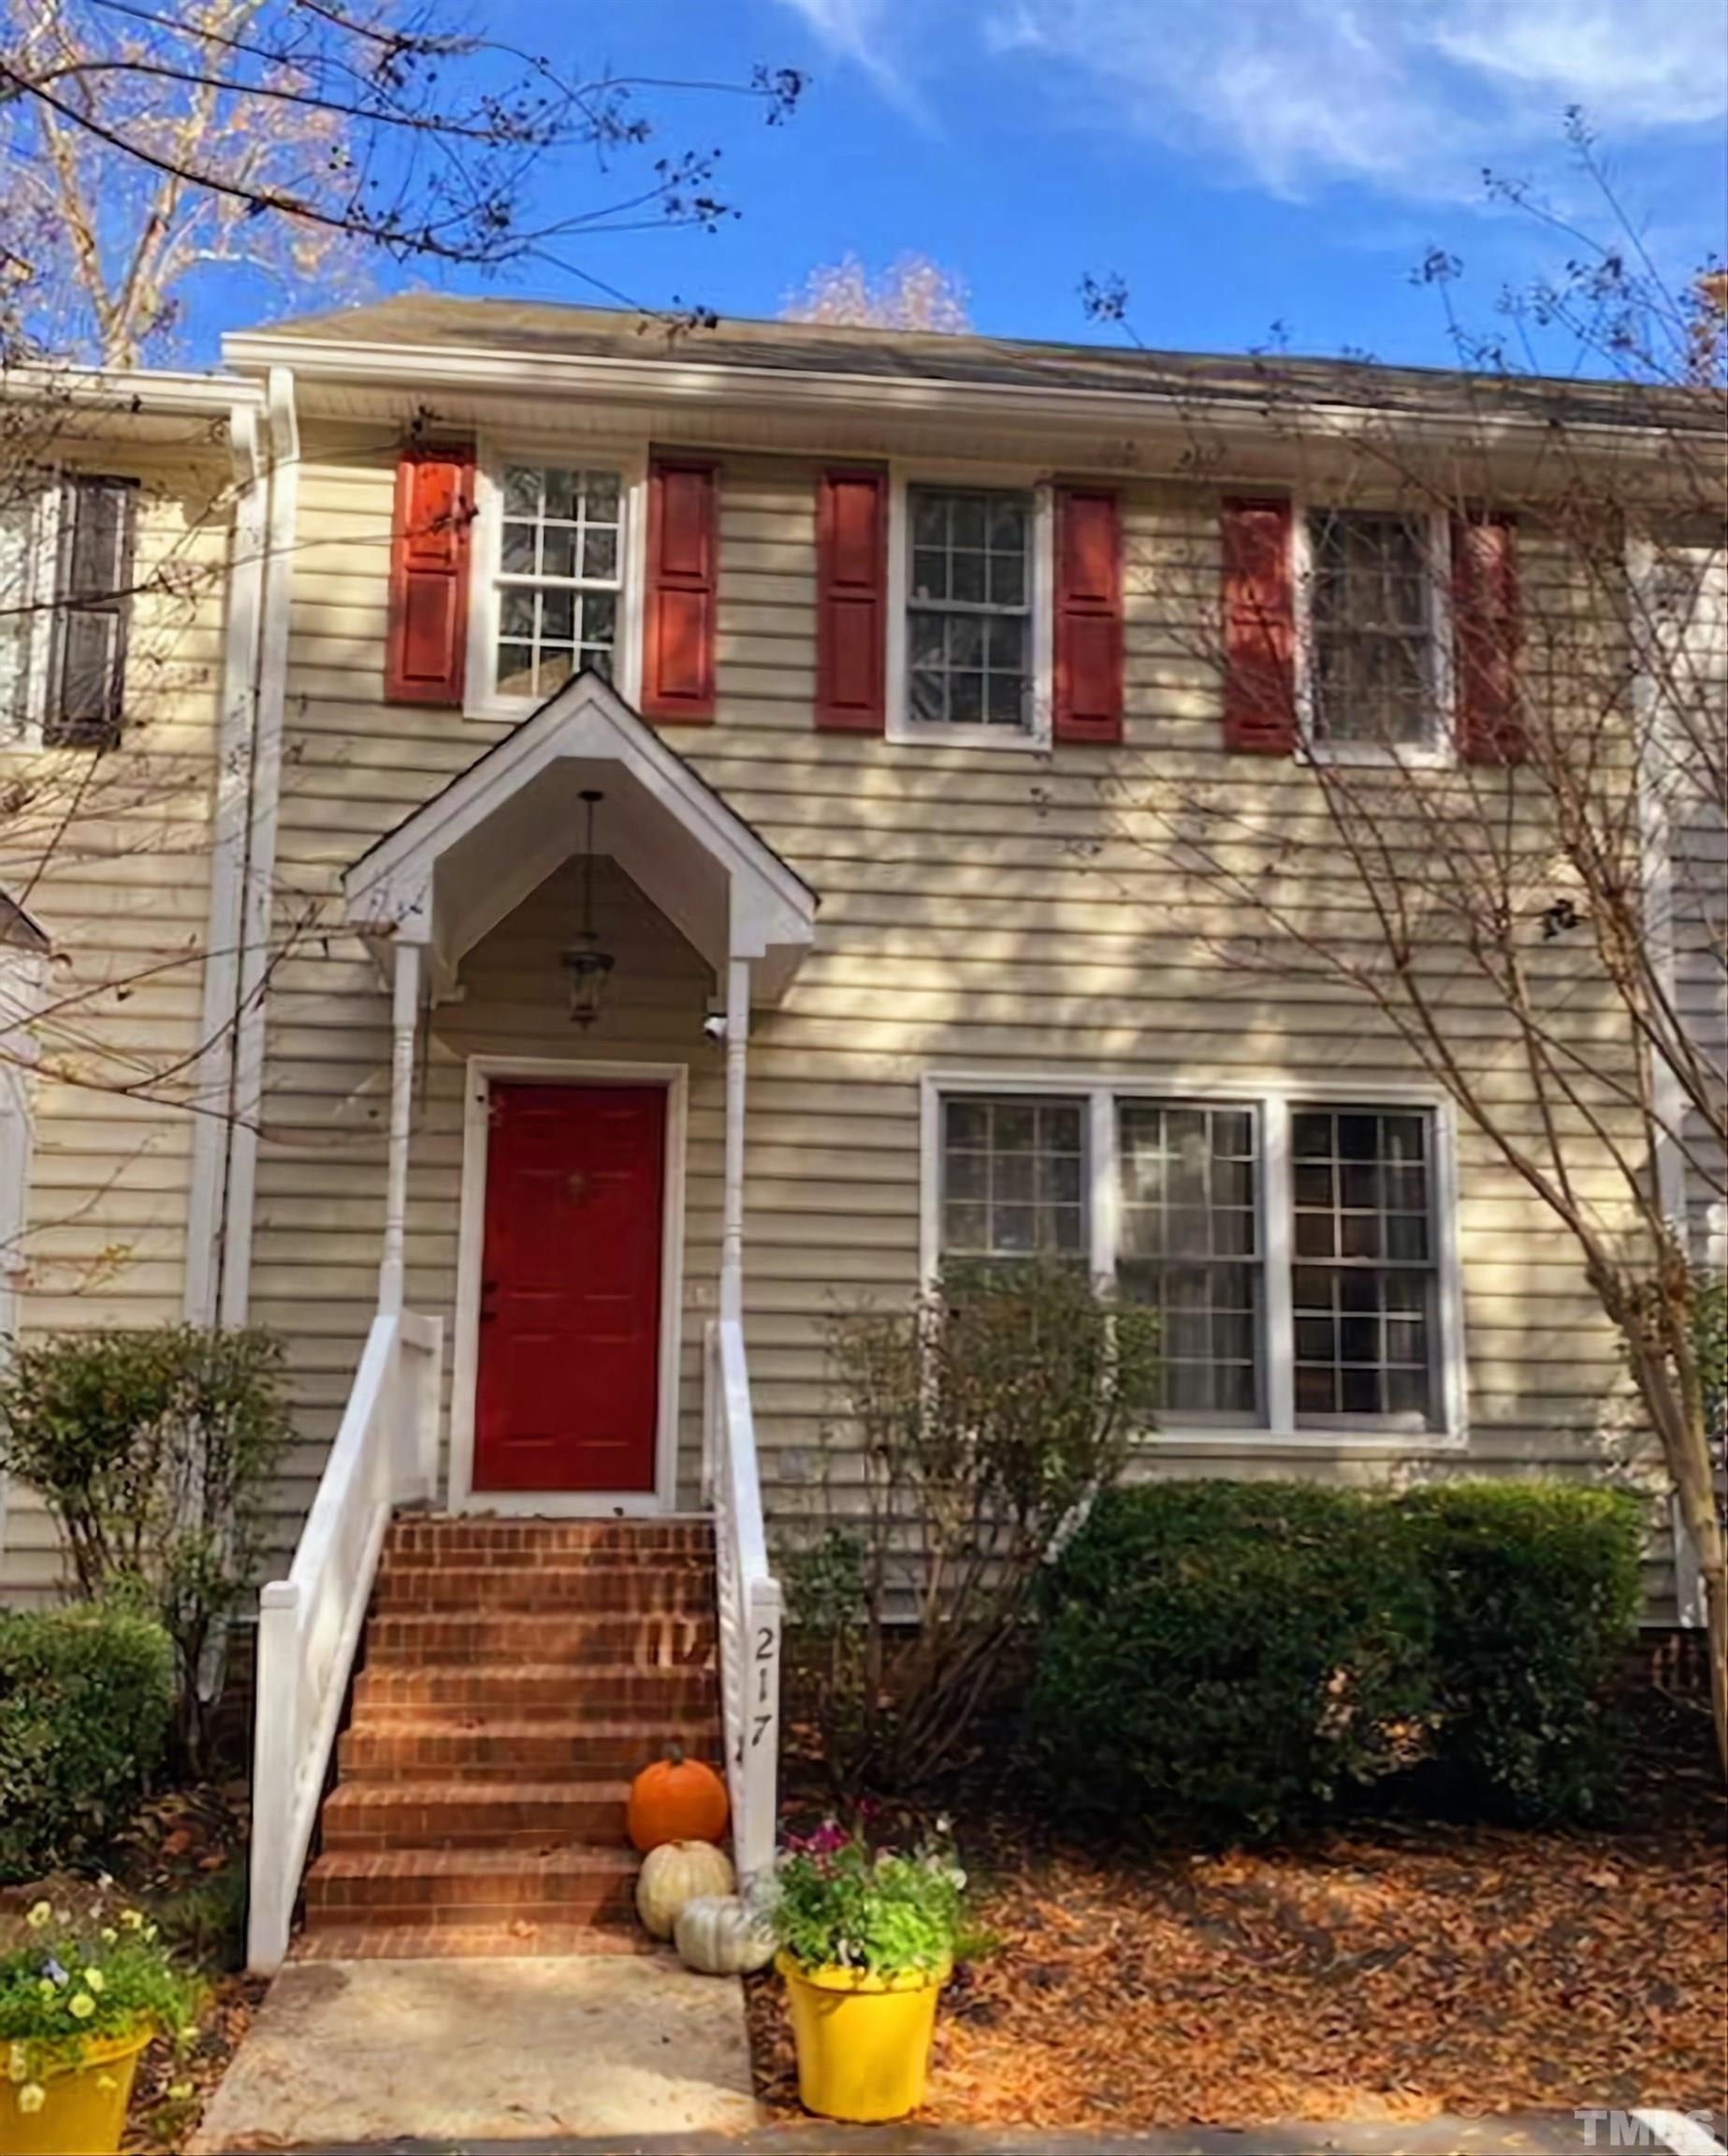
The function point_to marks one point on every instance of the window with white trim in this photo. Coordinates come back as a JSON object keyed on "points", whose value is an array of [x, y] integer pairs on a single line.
{"points": [[1373, 604], [1188, 1207], [969, 658], [1295, 1250], [559, 574], [1364, 1281], [66, 550]]}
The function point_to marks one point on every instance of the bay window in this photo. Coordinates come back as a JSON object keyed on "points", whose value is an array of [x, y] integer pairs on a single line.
{"points": [[1296, 1251]]}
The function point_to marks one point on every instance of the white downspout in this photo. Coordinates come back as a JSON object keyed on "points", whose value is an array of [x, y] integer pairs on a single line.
{"points": [[260, 868], [213, 1097]]}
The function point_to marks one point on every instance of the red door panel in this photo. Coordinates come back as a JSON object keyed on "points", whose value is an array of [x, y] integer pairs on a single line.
{"points": [[568, 1395]]}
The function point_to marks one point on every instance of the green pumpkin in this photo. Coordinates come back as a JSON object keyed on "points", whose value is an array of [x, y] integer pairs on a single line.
{"points": [[721, 1935]]}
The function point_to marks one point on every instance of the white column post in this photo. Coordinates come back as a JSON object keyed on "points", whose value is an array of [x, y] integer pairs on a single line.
{"points": [[731, 1203], [404, 1017]]}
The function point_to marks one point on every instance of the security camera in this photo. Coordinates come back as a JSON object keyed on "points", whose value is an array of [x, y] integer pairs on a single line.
{"points": [[714, 1026]]}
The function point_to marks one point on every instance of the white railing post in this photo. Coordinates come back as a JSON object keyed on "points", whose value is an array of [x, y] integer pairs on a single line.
{"points": [[276, 1689], [750, 1606], [760, 1730]]}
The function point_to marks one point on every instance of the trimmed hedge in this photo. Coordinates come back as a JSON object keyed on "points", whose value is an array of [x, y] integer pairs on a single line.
{"points": [[86, 1697], [1252, 1651], [1536, 1596]]}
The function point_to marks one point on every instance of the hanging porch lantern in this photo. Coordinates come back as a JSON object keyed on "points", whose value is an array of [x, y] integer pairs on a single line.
{"points": [[587, 966]]}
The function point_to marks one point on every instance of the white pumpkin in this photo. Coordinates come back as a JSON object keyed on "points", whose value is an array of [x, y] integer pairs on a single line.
{"points": [[721, 1935], [674, 1873]]}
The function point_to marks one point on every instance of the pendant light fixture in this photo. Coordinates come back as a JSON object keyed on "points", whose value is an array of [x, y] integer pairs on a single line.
{"points": [[589, 967]]}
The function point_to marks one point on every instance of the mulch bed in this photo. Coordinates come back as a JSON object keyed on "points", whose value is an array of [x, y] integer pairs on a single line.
{"points": [[1392, 1970]]}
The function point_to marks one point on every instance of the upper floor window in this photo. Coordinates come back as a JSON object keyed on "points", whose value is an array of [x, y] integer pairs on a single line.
{"points": [[968, 608], [1374, 674], [67, 553], [560, 571]]}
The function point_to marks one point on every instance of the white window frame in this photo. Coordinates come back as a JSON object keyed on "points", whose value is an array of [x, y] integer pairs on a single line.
{"points": [[482, 697], [902, 727], [1440, 751], [1273, 1105], [23, 729]]}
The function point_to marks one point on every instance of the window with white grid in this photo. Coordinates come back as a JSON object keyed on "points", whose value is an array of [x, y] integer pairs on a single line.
{"points": [[1364, 1276], [969, 646], [560, 575], [1013, 1179], [1372, 671], [1189, 1249]]}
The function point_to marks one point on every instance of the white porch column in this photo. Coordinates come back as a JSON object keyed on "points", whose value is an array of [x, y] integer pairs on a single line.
{"points": [[404, 1020], [732, 1201]]}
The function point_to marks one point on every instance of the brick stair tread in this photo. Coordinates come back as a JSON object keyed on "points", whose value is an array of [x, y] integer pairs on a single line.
{"points": [[504, 1673], [458, 1943], [604, 1644], [577, 1859], [650, 1729], [384, 1796]]}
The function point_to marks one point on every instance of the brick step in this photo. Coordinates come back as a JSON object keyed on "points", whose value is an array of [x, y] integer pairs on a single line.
{"points": [[376, 1815], [343, 1942], [474, 1886], [431, 1532], [570, 1586], [424, 1639], [454, 1747], [462, 1546], [530, 1691]]}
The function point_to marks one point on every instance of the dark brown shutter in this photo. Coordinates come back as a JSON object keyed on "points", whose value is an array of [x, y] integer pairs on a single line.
{"points": [[92, 612], [1260, 627], [1485, 638], [426, 652], [851, 599], [1088, 625], [677, 666]]}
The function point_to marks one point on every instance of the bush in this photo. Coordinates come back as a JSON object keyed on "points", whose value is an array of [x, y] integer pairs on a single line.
{"points": [[983, 1416], [154, 1451], [1252, 1651], [1536, 1595], [1244, 1650], [85, 1701]]}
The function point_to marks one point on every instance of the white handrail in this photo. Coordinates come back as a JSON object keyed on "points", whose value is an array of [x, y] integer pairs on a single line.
{"points": [[386, 1454], [749, 1597]]}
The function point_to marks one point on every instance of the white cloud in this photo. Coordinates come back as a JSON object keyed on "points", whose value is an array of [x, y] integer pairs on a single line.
{"points": [[1412, 96]]}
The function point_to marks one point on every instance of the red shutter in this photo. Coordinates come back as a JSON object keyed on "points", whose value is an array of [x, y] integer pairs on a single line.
{"points": [[1485, 638], [426, 645], [677, 663], [1088, 683], [1259, 628], [851, 599]]}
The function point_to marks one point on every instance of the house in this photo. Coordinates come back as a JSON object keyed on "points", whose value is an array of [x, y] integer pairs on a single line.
{"points": [[643, 853]]}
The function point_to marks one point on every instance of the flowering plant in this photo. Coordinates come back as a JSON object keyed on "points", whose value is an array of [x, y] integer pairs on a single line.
{"points": [[75, 1984], [836, 1903]]}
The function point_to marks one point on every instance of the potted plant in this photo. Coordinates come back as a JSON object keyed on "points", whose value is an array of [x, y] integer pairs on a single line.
{"points": [[79, 2000], [868, 1938]]}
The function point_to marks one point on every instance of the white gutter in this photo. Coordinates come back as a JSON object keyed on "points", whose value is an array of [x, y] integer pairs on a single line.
{"points": [[1183, 407], [122, 392], [258, 873], [236, 743]]}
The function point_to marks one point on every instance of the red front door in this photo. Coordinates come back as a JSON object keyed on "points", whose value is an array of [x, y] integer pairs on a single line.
{"points": [[568, 1392]]}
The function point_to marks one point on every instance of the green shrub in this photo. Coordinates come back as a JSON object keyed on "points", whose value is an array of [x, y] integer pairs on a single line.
{"points": [[85, 1700], [1248, 1651], [1536, 1594], [154, 1451]]}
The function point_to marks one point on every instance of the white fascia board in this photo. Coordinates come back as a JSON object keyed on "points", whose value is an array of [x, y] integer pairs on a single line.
{"points": [[584, 375]]}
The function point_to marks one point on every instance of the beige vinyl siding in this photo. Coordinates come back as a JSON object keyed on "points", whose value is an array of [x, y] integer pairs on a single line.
{"points": [[112, 856], [981, 910]]}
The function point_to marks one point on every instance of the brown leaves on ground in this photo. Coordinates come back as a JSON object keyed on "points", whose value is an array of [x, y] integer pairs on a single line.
{"points": [[1391, 1972]]}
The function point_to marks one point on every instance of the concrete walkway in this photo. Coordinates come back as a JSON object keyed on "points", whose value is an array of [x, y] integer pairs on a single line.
{"points": [[458, 2051]]}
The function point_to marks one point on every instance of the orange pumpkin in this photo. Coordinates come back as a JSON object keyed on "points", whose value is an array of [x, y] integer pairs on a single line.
{"points": [[676, 1799]]}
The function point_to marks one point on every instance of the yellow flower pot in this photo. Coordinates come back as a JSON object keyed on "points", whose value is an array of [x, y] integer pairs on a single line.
{"points": [[864, 2042], [83, 2107]]}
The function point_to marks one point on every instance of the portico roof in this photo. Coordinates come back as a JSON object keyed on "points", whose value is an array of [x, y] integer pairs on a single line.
{"points": [[469, 856]]}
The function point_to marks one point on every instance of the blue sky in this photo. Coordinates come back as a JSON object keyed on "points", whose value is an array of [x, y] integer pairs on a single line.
{"points": [[1241, 163]]}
